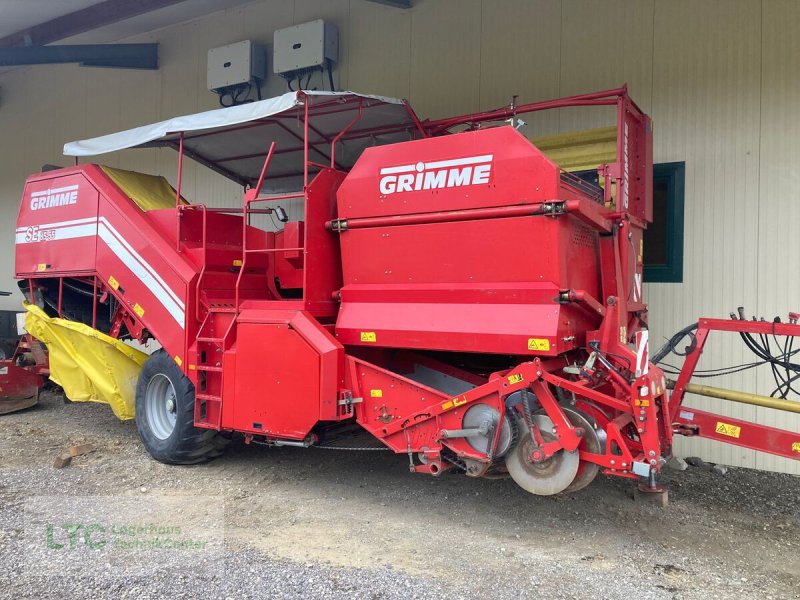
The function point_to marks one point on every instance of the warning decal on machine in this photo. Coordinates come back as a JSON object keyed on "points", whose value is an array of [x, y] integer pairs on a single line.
{"points": [[541, 344], [796, 447], [457, 401], [733, 431], [368, 336]]}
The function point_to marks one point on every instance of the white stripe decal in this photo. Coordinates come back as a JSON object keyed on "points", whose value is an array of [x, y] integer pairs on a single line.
{"points": [[400, 169], [473, 160], [143, 262], [79, 228], [59, 233], [138, 269], [642, 353], [60, 190], [59, 224], [439, 164]]}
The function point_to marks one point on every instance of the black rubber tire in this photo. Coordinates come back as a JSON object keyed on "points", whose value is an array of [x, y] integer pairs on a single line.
{"points": [[186, 445]]}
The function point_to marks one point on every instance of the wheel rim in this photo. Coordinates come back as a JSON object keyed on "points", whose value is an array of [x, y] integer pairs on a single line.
{"points": [[161, 406]]}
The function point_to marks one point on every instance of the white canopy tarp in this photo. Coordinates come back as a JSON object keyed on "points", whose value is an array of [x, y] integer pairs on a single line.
{"points": [[233, 141]]}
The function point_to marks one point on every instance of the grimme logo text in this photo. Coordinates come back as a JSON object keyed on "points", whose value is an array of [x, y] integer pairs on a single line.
{"points": [[55, 197], [438, 174]]}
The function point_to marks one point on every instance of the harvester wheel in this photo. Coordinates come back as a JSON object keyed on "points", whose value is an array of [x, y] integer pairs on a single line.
{"points": [[545, 478], [165, 415]]}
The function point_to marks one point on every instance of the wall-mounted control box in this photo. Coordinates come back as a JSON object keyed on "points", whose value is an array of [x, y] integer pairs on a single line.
{"points": [[306, 46], [236, 64]]}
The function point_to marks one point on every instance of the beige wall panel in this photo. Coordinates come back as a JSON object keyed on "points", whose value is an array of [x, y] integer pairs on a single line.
{"points": [[380, 49], [603, 46], [706, 111], [445, 57], [17, 135], [260, 20], [778, 214], [338, 13], [521, 55]]}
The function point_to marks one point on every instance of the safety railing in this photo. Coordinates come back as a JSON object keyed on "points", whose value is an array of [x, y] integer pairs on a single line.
{"points": [[252, 197]]}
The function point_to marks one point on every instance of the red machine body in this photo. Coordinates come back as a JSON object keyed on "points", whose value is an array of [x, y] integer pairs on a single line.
{"points": [[456, 295], [465, 261]]}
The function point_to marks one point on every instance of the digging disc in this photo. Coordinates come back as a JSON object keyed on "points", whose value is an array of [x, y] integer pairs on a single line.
{"points": [[546, 478], [483, 412], [587, 471]]}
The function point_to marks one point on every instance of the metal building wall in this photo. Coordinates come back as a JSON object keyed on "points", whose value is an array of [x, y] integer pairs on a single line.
{"points": [[721, 79]]}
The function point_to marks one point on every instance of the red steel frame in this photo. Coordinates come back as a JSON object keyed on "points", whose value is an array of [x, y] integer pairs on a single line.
{"points": [[694, 422], [631, 405]]}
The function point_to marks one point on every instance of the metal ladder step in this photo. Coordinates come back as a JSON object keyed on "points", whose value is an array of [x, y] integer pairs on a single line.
{"points": [[209, 368]]}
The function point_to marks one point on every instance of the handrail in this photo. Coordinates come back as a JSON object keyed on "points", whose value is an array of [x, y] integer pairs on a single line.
{"points": [[205, 263], [270, 250], [287, 196], [602, 98], [345, 130], [251, 196], [180, 172]]}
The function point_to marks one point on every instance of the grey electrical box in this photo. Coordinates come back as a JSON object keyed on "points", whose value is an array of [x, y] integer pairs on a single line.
{"points": [[305, 46], [236, 64]]}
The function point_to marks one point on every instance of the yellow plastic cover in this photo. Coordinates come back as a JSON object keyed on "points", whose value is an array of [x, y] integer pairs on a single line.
{"points": [[580, 150], [149, 192], [91, 366]]}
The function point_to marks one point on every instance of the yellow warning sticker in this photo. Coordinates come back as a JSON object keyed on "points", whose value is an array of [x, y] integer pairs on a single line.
{"points": [[178, 360], [796, 447], [192, 367], [540, 344], [368, 336], [512, 379], [113, 282], [41, 267], [376, 393], [137, 308], [458, 401], [733, 431], [639, 402], [237, 262]]}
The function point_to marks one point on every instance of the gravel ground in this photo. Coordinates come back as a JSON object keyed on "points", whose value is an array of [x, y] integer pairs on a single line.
{"points": [[327, 524]]}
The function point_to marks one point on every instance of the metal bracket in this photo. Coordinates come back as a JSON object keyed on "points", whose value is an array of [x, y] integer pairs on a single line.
{"points": [[347, 401], [339, 225]]}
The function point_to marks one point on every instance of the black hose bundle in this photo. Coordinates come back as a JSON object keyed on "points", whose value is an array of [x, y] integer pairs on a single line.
{"points": [[672, 343], [784, 372]]}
